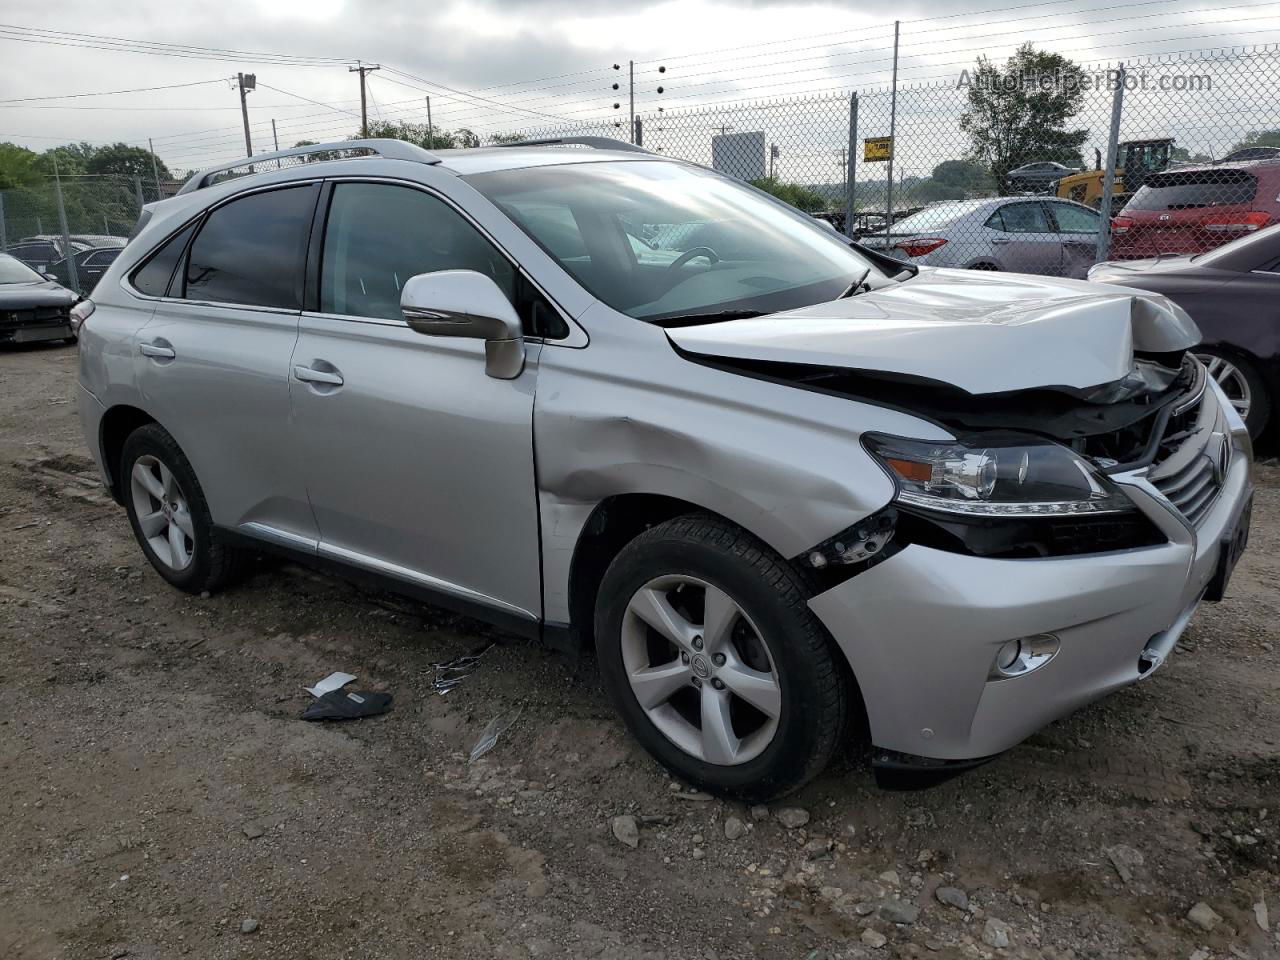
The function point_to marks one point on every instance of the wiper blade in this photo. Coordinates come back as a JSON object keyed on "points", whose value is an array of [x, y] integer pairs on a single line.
{"points": [[716, 316], [856, 287]]}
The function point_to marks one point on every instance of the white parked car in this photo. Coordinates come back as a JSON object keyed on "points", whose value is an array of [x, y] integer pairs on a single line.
{"points": [[1058, 238], [782, 485]]}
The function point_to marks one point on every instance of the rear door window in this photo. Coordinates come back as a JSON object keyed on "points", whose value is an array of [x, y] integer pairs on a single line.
{"points": [[1193, 189], [1072, 219], [252, 250], [154, 276]]}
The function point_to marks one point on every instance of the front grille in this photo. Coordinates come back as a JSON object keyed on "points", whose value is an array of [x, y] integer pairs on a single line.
{"points": [[19, 318], [1193, 457], [1193, 488]]}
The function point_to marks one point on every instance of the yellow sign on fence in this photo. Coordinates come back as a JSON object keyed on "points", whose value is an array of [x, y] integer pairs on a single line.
{"points": [[877, 148]]}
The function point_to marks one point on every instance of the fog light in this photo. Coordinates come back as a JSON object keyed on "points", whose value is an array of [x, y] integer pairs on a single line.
{"points": [[1016, 658]]}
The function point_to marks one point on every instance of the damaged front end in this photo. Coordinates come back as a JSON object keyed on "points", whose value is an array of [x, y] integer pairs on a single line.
{"points": [[1030, 472]]}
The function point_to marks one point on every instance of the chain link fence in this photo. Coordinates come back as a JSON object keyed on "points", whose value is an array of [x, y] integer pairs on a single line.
{"points": [[88, 216], [1033, 165]]}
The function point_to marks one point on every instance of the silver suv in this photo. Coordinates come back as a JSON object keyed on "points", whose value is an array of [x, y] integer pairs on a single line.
{"points": [[785, 486]]}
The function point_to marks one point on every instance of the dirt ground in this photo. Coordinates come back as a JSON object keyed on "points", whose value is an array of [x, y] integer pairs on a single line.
{"points": [[160, 797]]}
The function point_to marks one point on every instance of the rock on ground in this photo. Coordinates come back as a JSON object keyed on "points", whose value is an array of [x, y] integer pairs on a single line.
{"points": [[1203, 916], [997, 933], [792, 817], [952, 897], [626, 830]]}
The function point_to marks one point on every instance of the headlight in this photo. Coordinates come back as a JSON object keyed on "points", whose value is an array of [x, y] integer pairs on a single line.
{"points": [[997, 475]]}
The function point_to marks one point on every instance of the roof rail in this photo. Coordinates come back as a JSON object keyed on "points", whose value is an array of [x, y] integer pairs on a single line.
{"points": [[596, 143], [390, 149]]}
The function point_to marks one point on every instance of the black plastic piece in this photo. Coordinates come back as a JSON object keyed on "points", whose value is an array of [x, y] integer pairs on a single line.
{"points": [[906, 771], [347, 705]]}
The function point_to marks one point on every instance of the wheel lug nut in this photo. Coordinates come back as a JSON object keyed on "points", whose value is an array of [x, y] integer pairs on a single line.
{"points": [[684, 658], [718, 659], [697, 643], [718, 683], [697, 682]]}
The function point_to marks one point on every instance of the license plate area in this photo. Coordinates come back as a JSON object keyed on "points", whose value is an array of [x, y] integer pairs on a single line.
{"points": [[1232, 547]]}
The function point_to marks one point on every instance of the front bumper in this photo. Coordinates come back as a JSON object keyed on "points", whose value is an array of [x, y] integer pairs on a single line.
{"points": [[34, 333], [921, 629]]}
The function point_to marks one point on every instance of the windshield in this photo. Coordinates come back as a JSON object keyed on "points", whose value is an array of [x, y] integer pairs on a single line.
{"points": [[13, 270], [933, 217], [659, 240]]}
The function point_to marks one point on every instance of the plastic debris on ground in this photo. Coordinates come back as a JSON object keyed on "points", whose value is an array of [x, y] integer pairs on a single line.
{"points": [[347, 705], [496, 728], [334, 681], [450, 673]]}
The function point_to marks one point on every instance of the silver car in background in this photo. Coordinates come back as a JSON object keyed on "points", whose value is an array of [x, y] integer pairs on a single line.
{"points": [[784, 487], [1056, 238]]}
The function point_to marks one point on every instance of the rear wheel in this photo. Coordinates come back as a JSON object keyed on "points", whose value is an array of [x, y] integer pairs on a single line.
{"points": [[984, 266], [711, 654], [169, 515], [1242, 384]]}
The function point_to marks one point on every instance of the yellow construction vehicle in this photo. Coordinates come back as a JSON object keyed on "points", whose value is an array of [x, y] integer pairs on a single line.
{"points": [[1135, 160]]}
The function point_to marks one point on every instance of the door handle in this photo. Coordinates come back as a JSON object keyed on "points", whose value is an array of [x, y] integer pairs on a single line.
{"points": [[312, 375], [156, 350], [1001, 240]]}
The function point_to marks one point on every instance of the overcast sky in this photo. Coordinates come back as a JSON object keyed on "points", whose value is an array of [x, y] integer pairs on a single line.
{"points": [[524, 63]]}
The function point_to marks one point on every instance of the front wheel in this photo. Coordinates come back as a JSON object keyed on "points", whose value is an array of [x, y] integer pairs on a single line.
{"points": [[719, 668], [1242, 384]]}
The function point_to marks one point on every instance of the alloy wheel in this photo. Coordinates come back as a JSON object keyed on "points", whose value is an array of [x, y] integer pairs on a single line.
{"points": [[163, 513], [1232, 381], [700, 670]]}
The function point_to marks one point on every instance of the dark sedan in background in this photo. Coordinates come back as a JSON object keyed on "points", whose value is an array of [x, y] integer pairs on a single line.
{"points": [[1233, 293], [32, 307]]}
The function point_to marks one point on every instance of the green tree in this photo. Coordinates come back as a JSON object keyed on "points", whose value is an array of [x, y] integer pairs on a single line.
{"points": [[1019, 114], [18, 167], [506, 137], [120, 159], [964, 175], [1183, 155], [799, 196], [1258, 138]]}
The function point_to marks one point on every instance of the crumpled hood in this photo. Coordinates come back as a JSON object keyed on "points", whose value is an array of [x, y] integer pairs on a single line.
{"points": [[982, 332]]}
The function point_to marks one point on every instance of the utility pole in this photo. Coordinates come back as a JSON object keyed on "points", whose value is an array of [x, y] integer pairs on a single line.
{"points": [[364, 109], [247, 82], [275, 139], [631, 68], [431, 130], [893, 122], [155, 167]]}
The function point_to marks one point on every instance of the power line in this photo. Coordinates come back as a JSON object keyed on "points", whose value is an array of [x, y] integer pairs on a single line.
{"points": [[112, 93], [134, 45]]}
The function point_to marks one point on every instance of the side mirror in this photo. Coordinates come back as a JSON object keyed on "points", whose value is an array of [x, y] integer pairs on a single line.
{"points": [[50, 276], [465, 303]]}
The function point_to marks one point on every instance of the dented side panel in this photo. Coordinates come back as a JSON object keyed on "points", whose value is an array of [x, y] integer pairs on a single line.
{"points": [[629, 415]]}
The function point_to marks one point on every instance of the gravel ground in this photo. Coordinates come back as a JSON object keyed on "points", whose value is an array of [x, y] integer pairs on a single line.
{"points": [[160, 796]]}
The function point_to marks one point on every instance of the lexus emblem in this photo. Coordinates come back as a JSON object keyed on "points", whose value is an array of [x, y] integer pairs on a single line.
{"points": [[1218, 450]]}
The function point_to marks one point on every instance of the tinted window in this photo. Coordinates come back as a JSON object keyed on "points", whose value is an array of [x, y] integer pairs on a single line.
{"points": [[1024, 218], [1075, 219], [378, 236], [153, 278], [101, 258], [253, 250], [35, 252], [1189, 190]]}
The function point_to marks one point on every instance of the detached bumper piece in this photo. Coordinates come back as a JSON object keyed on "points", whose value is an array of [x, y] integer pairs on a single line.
{"points": [[34, 324], [906, 771]]}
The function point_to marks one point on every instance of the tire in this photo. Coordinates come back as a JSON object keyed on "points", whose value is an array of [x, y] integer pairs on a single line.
{"points": [[1243, 385], [772, 635], [985, 266], [202, 563]]}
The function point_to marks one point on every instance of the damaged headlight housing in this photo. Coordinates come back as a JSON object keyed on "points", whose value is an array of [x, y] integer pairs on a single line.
{"points": [[995, 475]]}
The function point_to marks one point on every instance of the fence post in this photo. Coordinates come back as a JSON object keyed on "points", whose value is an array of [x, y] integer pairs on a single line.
{"points": [[4, 237], [1109, 171], [67, 252], [893, 133], [137, 188], [638, 139], [848, 167]]}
